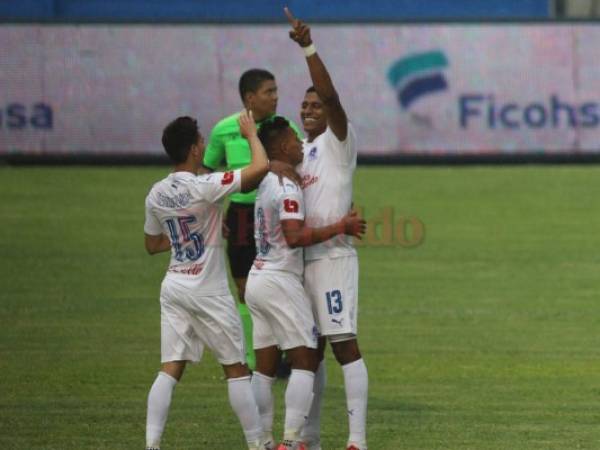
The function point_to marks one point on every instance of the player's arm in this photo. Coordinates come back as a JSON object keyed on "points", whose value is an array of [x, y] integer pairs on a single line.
{"points": [[155, 240], [336, 116], [297, 234], [253, 174], [156, 243]]}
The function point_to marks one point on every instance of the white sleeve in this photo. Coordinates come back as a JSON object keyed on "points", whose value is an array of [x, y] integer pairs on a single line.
{"points": [[290, 202], [152, 224], [345, 151], [214, 187]]}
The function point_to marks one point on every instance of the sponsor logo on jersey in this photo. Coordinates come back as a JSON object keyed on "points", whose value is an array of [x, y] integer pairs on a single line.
{"points": [[312, 154], [227, 178], [194, 269], [308, 180]]}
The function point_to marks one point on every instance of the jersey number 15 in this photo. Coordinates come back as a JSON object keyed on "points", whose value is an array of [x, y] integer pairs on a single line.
{"points": [[181, 239]]}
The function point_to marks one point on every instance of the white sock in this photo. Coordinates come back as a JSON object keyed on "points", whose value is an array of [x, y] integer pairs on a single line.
{"points": [[159, 400], [262, 387], [311, 432], [298, 398], [243, 404], [356, 381]]}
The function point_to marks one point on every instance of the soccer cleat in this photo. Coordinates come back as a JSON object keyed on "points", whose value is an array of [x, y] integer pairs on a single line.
{"points": [[291, 445], [352, 447], [152, 448], [268, 445], [312, 445]]}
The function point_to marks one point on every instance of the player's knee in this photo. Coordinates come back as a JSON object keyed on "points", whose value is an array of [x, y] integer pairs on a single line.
{"points": [[267, 368], [346, 351], [236, 370], [267, 360], [304, 358], [173, 368]]}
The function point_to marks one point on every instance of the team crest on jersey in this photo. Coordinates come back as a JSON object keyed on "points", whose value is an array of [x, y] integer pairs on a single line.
{"points": [[312, 154], [227, 178]]}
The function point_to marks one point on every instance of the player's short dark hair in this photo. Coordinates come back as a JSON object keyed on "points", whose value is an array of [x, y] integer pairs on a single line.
{"points": [[270, 132], [178, 138], [251, 80], [311, 89]]}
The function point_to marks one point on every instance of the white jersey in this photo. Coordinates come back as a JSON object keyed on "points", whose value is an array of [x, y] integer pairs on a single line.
{"points": [[189, 209], [327, 170], [275, 203]]}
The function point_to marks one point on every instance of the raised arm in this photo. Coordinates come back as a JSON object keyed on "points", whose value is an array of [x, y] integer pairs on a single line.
{"points": [[297, 234], [253, 174], [336, 116]]}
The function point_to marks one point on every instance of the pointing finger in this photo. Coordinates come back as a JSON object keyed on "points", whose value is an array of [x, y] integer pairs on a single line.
{"points": [[289, 16]]}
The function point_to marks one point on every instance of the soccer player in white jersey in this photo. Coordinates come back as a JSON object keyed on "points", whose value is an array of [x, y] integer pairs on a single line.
{"points": [[184, 215], [331, 268], [280, 309]]}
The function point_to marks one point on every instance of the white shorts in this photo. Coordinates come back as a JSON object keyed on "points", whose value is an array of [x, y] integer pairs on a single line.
{"points": [[332, 285], [190, 322], [281, 311]]}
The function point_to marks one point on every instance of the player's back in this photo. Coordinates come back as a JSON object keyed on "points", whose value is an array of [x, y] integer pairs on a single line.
{"points": [[276, 202], [188, 209]]}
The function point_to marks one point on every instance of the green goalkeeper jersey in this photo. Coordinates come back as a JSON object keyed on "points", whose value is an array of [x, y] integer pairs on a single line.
{"points": [[227, 143]]}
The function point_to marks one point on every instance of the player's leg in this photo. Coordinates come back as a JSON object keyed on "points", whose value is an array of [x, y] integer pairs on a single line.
{"points": [[243, 403], [176, 349], [219, 326], [356, 382], [241, 252], [311, 433], [159, 401], [259, 292], [296, 332], [298, 394], [267, 359], [333, 287]]}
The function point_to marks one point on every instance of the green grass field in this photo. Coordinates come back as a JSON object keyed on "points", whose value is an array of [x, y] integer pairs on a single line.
{"points": [[486, 336]]}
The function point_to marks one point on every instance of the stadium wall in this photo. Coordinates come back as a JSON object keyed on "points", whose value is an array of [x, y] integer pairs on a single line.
{"points": [[419, 93], [270, 10]]}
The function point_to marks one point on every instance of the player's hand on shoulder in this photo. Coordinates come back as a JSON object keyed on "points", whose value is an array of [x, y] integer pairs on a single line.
{"points": [[283, 169], [247, 124], [354, 225], [300, 32]]}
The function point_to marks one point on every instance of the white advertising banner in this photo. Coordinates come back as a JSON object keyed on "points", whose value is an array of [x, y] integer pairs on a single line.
{"points": [[409, 89]]}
